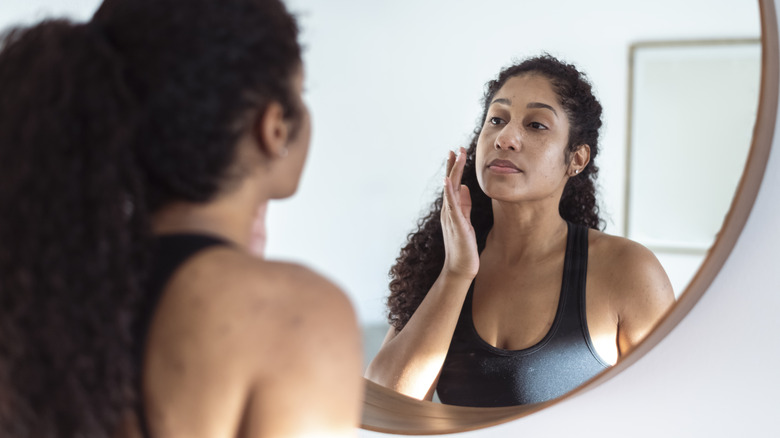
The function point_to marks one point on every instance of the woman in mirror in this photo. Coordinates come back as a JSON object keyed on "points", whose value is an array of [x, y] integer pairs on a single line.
{"points": [[508, 293], [135, 152]]}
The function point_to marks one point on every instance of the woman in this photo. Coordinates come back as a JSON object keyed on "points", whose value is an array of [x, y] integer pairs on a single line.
{"points": [[488, 300], [136, 150]]}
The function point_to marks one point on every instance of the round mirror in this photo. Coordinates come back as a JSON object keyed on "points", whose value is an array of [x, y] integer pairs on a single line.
{"points": [[393, 87]]}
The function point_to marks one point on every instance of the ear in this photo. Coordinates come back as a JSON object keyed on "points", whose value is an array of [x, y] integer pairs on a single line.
{"points": [[579, 159], [272, 131]]}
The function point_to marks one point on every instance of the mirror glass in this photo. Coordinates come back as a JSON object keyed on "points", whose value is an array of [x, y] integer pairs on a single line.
{"points": [[393, 86], [679, 186]]}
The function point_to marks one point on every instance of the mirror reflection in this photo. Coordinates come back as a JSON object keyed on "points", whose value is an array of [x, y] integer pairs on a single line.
{"points": [[396, 87], [705, 92], [488, 299]]}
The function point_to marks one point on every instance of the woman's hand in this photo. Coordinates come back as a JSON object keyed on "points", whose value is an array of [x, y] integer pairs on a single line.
{"points": [[410, 360], [460, 243]]}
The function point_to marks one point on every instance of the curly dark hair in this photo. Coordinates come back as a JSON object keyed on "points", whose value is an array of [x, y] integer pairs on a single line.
{"points": [[422, 259], [101, 124]]}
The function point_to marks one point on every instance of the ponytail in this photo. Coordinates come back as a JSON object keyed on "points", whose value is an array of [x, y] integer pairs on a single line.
{"points": [[73, 233]]}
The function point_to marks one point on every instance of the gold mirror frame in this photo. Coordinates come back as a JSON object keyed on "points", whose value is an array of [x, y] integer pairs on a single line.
{"points": [[389, 412]]}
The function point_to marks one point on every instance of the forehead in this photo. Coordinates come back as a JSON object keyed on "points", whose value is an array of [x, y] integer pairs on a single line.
{"points": [[529, 87]]}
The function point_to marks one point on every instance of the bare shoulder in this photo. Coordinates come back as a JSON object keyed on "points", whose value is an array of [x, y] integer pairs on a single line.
{"points": [[634, 283], [227, 299], [626, 264], [231, 328], [304, 340]]}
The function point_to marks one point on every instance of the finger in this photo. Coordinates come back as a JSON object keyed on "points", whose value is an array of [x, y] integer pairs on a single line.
{"points": [[456, 207], [451, 210], [446, 207], [465, 202], [457, 169], [450, 163], [450, 196]]}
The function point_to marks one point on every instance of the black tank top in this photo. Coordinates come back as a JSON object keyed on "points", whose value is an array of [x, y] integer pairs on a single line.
{"points": [[170, 251], [477, 374]]}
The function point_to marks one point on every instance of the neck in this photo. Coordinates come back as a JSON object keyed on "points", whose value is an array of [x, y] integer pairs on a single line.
{"points": [[230, 216], [525, 232]]}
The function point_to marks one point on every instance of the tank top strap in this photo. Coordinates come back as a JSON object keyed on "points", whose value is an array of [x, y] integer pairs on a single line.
{"points": [[172, 250], [575, 268], [570, 319], [169, 252]]}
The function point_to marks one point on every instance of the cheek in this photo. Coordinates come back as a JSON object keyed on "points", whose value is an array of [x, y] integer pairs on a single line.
{"points": [[307, 136], [554, 162], [303, 136], [483, 147], [306, 123], [479, 158]]}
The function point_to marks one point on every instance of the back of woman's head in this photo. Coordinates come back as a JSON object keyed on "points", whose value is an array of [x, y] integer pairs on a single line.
{"points": [[100, 124], [196, 68]]}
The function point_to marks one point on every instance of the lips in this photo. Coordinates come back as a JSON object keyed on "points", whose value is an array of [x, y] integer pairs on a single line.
{"points": [[503, 166]]}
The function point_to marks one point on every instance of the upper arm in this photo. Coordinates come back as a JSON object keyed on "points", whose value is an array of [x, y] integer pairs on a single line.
{"points": [[643, 295]]}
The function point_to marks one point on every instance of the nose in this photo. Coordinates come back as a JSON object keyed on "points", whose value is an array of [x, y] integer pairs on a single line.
{"points": [[508, 139]]}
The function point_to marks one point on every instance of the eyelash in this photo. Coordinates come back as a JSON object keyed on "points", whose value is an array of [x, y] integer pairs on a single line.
{"points": [[535, 125]]}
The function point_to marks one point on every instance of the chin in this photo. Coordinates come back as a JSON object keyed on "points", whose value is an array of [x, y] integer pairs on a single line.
{"points": [[501, 192]]}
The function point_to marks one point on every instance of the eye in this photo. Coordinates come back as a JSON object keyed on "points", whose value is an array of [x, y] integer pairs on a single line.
{"points": [[495, 120], [537, 125]]}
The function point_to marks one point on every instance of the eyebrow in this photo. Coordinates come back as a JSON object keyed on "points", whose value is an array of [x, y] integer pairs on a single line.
{"points": [[530, 104], [502, 100], [542, 105]]}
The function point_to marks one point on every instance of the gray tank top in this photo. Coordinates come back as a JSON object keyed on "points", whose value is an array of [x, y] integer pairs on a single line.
{"points": [[477, 374]]}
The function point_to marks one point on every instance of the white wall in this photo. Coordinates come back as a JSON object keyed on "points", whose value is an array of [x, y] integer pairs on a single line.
{"points": [[14, 12]]}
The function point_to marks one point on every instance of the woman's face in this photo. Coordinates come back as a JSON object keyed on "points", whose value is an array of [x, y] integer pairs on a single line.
{"points": [[521, 151]]}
